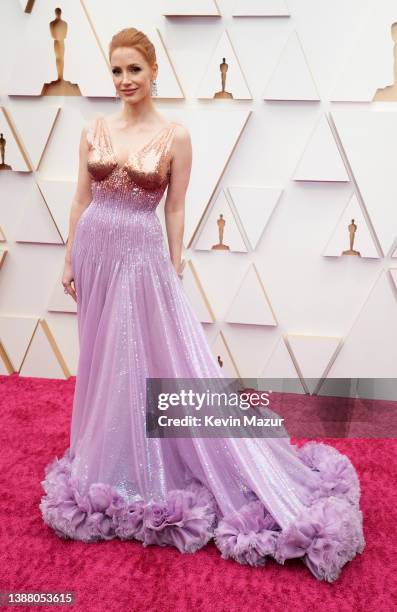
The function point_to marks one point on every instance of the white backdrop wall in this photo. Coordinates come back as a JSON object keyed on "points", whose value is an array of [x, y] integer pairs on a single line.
{"points": [[300, 150]]}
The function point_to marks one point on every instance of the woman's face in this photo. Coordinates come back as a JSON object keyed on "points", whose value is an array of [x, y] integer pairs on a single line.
{"points": [[132, 75]]}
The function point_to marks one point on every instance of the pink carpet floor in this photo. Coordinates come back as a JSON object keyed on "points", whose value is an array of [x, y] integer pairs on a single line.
{"points": [[125, 576]]}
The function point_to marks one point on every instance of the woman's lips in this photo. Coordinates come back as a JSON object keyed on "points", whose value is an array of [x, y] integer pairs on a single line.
{"points": [[128, 91]]}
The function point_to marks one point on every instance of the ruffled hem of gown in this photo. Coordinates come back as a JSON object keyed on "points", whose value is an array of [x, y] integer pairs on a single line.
{"points": [[325, 535]]}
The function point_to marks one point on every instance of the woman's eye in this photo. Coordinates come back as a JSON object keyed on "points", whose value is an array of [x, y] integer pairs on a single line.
{"points": [[134, 69]]}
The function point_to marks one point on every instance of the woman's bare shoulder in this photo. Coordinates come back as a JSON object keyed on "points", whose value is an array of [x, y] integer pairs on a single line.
{"points": [[89, 128], [181, 132]]}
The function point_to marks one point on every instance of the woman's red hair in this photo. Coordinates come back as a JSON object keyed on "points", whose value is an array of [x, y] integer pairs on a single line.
{"points": [[131, 37]]}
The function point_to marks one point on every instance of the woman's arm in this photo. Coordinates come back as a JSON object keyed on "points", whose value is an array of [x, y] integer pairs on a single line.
{"points": [[174, 207], [82, 196], [81, 200]]}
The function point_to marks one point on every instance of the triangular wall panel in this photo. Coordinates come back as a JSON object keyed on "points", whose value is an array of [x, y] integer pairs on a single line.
{"points": [[368, 137], [15, 335], [211, 82], [340, 239], [250, 345], [196, 294], [6, 367], [3, 253], [218, 132], [313, 356], [369, 56], [370, 348], [43, 358], [193, 8], [15, 158], [36, 223], [34, 134], [260, 8], [279, 372], [292, 78], [254, 207], [58, 196], [224, 357], [321, 160], [393, 274], [251, 305], [36, 58], [209, 235]]}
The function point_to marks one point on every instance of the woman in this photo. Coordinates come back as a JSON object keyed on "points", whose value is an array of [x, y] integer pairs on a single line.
{"points": [[257, 498]]}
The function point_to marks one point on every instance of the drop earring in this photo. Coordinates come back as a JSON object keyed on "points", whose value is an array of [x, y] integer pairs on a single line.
{"points": [[154, 88]]}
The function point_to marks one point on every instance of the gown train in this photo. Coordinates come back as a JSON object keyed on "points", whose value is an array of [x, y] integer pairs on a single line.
{"points": [[255, 497]]}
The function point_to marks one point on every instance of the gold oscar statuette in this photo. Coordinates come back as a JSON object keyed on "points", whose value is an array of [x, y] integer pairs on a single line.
{"points": [[389, 93], [221, 226], [352, 232], [3, 141], [29, 6], [223, 93], [60, 87]]}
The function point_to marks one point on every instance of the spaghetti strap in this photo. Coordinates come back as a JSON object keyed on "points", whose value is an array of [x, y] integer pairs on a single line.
{"points": [[92, 129]]}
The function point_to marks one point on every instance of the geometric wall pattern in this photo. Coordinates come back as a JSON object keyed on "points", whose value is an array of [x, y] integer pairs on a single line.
{"points": [[368, 55], [235, 83], [321, 160], [14, 155], [393, 274], [209, 235], [278, 209], [376, 181], [280, 370], [339, 242], [259, 8], [218, 133], [38, 48], [292, 78], [260, 311], [254, 207], [194, 8], [34, 136], [379, 340], [313, 357], [196, 294], [224, 356]]}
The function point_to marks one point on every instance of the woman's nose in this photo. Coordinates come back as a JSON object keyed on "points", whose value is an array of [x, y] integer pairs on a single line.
{"points": [[126, 78]]}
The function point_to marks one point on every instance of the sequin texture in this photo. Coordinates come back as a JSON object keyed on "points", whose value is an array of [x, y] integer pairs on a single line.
{"points": [[255, 497]]}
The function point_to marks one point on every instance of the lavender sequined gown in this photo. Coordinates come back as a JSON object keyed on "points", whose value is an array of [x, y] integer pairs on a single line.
{"points": [[257, 498]]}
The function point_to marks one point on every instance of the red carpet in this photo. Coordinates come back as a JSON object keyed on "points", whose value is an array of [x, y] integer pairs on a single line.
{"points": [[125, 576]]}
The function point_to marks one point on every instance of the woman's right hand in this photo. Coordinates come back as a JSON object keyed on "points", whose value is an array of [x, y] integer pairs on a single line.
{"points": [[67, 280], [181, 268]]}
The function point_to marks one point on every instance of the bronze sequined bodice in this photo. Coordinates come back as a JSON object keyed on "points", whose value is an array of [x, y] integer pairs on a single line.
{"points": [[147, 167], [121, 223]]}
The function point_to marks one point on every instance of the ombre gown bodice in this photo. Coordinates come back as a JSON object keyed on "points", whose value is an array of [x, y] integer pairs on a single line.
{"points": [[257, 498], [121, 220]]}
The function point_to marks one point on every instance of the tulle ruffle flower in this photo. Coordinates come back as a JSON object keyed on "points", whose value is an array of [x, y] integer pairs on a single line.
{"points": [[186, 518], [337, 473], [325, 534], [248, 535]]}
